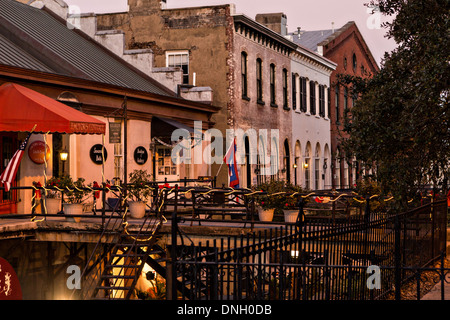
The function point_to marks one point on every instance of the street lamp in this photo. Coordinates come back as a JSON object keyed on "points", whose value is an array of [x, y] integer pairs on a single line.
{"points": [[63, 155]]}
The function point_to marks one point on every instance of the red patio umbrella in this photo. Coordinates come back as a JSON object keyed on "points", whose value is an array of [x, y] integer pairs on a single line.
{"points": [[22, 108]]}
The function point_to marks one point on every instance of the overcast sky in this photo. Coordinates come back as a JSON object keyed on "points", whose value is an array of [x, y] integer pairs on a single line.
{"points": [[307, 14]]}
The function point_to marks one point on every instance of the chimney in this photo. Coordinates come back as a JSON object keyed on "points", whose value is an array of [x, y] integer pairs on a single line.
{"points": [[274, 21]]}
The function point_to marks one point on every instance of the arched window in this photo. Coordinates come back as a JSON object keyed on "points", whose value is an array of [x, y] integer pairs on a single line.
{"points": [[317, 167], [307, 165], [287, 160], [297, 163], [354, 62]]}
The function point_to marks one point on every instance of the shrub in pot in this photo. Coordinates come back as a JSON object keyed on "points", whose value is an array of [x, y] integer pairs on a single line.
{"points": [[139, 192]]}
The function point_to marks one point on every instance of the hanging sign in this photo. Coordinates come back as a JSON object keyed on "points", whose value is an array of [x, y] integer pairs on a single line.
{"points": [[115, 132], [140, 155], [37, 151], [96, 154], [9, 282]]}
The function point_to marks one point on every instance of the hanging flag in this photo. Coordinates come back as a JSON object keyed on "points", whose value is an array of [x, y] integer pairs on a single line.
{"points": [[230, 160], [10, 172]]}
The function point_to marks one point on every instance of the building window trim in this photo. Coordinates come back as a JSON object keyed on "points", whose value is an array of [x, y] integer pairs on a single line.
{"points": [[259, 82], [273, 86], [244, 75], [181, 60], [285, 89]]}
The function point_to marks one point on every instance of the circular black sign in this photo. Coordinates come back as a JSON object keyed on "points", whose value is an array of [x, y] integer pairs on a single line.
{"points": [[140, 155], [97, 155]]}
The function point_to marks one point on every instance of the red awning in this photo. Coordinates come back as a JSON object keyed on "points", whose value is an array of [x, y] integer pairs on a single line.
{"points": [[22, 108]]}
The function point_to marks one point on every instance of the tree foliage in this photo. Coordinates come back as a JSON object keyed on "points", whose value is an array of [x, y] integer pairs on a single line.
{"points": [[400, 123]]}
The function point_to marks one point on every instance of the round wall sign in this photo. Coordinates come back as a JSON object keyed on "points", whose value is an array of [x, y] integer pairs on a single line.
{"points": [[9, 282], [140, 155], [37, 150], [96, 154]]}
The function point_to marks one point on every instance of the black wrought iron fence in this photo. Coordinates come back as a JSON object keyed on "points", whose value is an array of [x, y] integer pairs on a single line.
{"points": [[308, 260]]}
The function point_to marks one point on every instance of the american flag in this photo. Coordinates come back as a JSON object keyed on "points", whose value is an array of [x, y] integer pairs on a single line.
{"points": [[10, 172]]}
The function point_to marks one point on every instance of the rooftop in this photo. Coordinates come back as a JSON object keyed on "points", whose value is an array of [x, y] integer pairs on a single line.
{"points": [[37, 39]]}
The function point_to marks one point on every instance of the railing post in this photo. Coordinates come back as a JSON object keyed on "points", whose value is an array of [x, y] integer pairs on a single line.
{"points": [[397, 253], [172, 270]]}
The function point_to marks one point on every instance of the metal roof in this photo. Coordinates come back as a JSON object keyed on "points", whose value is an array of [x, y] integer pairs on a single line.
{"points": [[13, 55], [310, 39], [57, 48]]}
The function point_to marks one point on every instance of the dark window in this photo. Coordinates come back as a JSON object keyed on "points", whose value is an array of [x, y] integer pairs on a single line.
{"points": [[259, 86], [312, 97], [294, 91], [285, 89], [272, 86], [322, 101], [355, 62], [303, 97], [244, 75]]}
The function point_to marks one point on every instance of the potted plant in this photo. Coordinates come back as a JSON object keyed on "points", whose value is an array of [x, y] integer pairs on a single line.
{"points": [[139, 192], [267, 203], [52, 196], [74, 196], [290, 203]]}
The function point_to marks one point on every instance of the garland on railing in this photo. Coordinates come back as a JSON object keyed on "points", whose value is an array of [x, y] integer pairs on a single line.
{"points": [[317, 197]]}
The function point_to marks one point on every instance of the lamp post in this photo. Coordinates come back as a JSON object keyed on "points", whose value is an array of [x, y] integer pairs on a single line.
{"points": [[63, 155]]}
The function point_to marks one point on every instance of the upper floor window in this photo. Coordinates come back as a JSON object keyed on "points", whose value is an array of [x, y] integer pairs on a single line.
{"points": [[312, 97], [294, 91], [355, 62], [244, 75], [272, 86], [285, 89], [303, 97], [179, 59], [322, 100], [259, 82]]}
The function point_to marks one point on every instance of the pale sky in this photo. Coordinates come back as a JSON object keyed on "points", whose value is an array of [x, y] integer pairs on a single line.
{"points": [[307, 14]]}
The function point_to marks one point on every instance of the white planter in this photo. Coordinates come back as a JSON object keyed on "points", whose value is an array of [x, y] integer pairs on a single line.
{"points": [[265, 214], [137, 209], [290, 215], [73, 209], [53, 205]]}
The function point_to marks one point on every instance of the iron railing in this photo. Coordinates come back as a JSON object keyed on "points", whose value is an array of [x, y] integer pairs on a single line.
{"points": [[309, 260]]}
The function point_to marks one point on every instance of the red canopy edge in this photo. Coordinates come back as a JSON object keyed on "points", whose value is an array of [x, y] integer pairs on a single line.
{"points": [[22, 108]]}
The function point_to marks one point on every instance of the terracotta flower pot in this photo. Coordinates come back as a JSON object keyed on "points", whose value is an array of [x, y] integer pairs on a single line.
{"points": [[137, 209], [265, 214], [290, 215], [73, 209], [52, 205]]}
